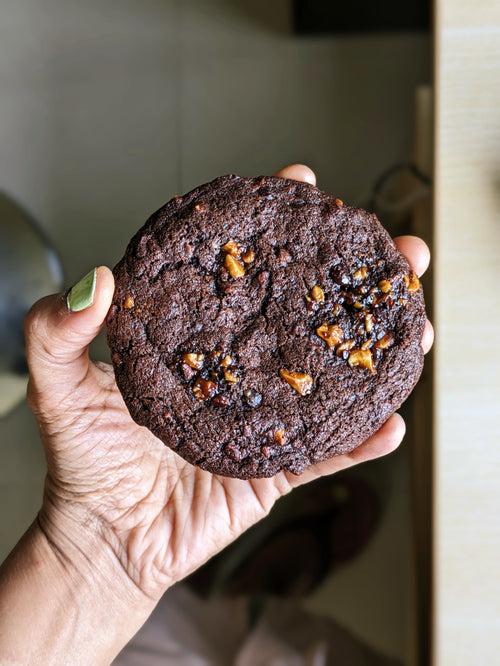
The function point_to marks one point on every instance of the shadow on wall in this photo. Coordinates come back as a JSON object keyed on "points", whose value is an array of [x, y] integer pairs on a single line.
{"points": [[275, 17]]}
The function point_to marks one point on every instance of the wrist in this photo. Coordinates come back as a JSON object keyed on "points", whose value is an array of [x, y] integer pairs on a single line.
{"points": [[56, 610], [101, 606]]}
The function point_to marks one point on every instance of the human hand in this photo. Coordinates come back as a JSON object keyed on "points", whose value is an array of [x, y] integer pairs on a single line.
{"points": [[113, 487]]}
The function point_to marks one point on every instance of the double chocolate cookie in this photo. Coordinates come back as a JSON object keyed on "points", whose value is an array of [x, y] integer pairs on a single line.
{"points": [[259, 324]]}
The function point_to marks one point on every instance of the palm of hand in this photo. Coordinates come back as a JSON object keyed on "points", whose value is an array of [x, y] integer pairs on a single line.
{"points": [[162, 516]]}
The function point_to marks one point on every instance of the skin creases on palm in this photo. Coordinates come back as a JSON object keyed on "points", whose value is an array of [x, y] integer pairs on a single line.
{"points": [[159, 513], [162, 516]]}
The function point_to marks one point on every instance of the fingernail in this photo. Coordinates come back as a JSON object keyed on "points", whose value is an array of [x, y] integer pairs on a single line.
{"points": [[81, 295]]}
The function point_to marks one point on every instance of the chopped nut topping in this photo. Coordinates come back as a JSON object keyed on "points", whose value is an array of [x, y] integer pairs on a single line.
{"points": [[194, 360], [252, 398], [385, 342], [339, 203], [200, 207], [266, 451], [210, 375], [128, 303], [345, 346], [187, 372], [356, 296], [203, 389], [231, 377], [226, 361], [299, 381], [248, 257], [232, 248], [385, 286], [413, 282], [317, 294], [332, 334], [362, 358], [234, 266], [284, 257], [279, 437], [361, 273]]}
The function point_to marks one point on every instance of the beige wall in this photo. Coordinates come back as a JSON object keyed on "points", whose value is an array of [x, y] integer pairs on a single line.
{"points": [[467, 381]]}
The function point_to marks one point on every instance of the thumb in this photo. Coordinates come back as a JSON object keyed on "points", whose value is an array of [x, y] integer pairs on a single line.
{"points": [[59, 329]]}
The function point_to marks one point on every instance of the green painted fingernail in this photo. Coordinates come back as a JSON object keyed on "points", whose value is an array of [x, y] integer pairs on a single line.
{"points": [[81, 295]]}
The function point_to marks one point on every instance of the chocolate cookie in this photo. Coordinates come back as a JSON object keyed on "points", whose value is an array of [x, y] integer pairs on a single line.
{"points": [[259, 324]]}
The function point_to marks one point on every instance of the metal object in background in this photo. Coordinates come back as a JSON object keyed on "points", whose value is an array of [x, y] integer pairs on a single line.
{"points": [[29, 269], [396, 193]]}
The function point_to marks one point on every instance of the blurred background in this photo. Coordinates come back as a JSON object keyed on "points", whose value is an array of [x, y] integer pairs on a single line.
{"points": [[107, 110]]}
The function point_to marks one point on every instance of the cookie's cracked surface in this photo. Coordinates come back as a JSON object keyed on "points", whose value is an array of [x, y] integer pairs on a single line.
{"points": [[260, 324]]}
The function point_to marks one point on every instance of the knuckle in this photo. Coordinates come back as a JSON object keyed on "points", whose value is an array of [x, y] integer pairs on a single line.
{"points": [[34, 322], [31, 322], [33, 399], [31, 396], [39, 333]]}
